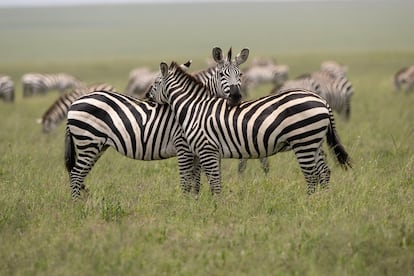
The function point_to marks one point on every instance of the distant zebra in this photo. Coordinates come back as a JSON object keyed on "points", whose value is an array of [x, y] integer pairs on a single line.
{"points": [[6, 88], [337, 91], [262, 73], [139, 81], [404, 79], [138, 129], [307, 83], [34, 83], [59, 109], [294, 120], [335, 69]]}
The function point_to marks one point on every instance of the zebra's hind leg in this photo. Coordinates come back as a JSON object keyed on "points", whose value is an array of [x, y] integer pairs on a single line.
{"points": [[264, 162], [323, 171], [82, 167]]}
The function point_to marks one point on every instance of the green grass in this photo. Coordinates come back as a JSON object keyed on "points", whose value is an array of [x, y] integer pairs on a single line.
{"points": [[136, 221]]}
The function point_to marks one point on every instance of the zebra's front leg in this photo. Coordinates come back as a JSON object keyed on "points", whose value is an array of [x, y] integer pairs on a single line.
{"points": [[186, 170], [210, 163]]}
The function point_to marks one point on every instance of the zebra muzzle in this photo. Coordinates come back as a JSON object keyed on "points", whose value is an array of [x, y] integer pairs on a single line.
{"points": [[235, 95]]}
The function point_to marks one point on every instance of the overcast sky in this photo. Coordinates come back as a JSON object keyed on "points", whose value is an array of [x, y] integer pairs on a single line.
{"points": [[14, 3]]}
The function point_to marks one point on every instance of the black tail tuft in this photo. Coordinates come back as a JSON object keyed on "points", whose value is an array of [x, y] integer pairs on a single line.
{"points": [[335, 144], [70, 154]]}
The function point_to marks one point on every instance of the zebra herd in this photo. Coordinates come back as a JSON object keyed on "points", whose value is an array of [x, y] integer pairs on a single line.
{"points": [[202, 117]]}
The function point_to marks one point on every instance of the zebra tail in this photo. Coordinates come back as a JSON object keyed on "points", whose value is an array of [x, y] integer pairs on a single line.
{"points": [[335, 144], [70, 154]]}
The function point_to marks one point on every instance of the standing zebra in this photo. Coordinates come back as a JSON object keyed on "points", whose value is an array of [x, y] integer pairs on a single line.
{"points": [[294, 120], [34, 83], [138, 129], [404, 79], [59, 109], [6, 88]]}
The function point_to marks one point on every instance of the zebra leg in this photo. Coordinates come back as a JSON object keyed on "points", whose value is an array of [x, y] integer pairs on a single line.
{"points": [[82, 167], [197, 176], [265, 164], [242, 165], [188, 168], [323, 171], [307, 161], [210, 163]]}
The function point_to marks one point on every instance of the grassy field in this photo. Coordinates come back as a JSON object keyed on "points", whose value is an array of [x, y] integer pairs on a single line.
{"points": [[136, 221]]}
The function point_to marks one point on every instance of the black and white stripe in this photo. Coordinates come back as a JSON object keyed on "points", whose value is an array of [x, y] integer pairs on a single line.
{"points": [[139, 81], [138, 129], [59, 109], [6, 88], [35, 83], [296, 120], [404, 79]]}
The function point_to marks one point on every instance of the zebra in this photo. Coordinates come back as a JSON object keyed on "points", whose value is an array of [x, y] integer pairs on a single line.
{"points": [[139, 81], [337, 91], [335, 69], [59, 109], [264, 72], [142, 130], [404, 79], [297, 120], [304, 83], [35, 83], [6, 88]]}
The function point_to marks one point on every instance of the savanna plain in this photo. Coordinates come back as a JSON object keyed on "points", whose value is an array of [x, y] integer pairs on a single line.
{"points": [[136, 221]]}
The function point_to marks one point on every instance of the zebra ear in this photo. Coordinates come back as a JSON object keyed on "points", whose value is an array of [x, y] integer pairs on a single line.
{"points": [[217, 55], [164, 69], [186, 66], [242, 57]]}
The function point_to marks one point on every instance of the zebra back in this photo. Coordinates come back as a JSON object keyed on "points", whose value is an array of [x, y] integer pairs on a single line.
{"points": [[59, 109]]}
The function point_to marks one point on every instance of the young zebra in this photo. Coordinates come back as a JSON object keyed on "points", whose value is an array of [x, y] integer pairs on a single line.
{"points": [[404, 79], [59, 109], [295, 120], [138, 129], [34, 83], [6, 88]]}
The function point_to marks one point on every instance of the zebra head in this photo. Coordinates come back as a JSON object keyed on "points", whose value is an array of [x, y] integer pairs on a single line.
{"points": [[228, 74]]}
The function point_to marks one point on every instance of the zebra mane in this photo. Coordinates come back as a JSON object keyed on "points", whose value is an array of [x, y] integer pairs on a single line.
{"points": [[177, 68]]}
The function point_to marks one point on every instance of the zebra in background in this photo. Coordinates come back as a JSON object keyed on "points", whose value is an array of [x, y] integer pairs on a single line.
{"points": [[138, 129], [139, 81], [337, 91], [59, 109], [404, 79], [294, 120], [262, 72], [307, 83], [335, 69], [34, 83], [6, 88]]}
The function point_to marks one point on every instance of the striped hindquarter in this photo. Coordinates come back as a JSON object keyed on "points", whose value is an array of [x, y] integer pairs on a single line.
{"points": [[296, 120], [136, 129]]}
